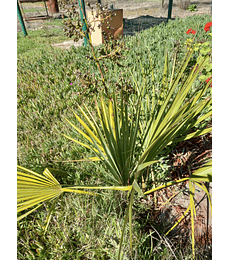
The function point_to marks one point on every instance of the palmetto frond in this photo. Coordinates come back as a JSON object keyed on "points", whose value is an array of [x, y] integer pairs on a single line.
{"points": [[33, 189]]}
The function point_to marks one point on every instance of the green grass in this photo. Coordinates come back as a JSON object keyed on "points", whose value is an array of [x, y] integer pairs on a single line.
{"points": [[41, 39], [32, 10], [84, 228], [90, 228]]}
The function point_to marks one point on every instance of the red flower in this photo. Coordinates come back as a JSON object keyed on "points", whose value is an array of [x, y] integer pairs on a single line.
{"points": [[189, 30], [207, 26], [207, 80]]}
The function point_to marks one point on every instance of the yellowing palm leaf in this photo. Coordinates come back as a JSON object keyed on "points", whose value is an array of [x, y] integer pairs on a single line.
{"points": [[34, 188]]}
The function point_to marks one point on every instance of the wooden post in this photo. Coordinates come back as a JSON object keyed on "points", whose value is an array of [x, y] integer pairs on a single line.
{"points": [[53, 6], [115, 24]]}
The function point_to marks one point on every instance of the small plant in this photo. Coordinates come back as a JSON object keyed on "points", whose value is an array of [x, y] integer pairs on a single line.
{"points": [[192, 8]]}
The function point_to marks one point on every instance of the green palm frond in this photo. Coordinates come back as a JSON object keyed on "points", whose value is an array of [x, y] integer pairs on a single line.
{"points": [[113, 140]]}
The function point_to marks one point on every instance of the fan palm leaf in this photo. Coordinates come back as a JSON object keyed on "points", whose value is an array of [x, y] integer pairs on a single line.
{"points": [[33, 189]]}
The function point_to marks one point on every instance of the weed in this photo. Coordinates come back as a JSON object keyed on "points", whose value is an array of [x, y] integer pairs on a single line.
{"points": [[192, 8]]}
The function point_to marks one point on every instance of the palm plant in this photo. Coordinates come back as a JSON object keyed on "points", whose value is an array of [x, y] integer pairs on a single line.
{"points": [[128, 135]]}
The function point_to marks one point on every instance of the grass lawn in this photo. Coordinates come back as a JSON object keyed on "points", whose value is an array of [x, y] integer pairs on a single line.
{"points": [[41, 39]]}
